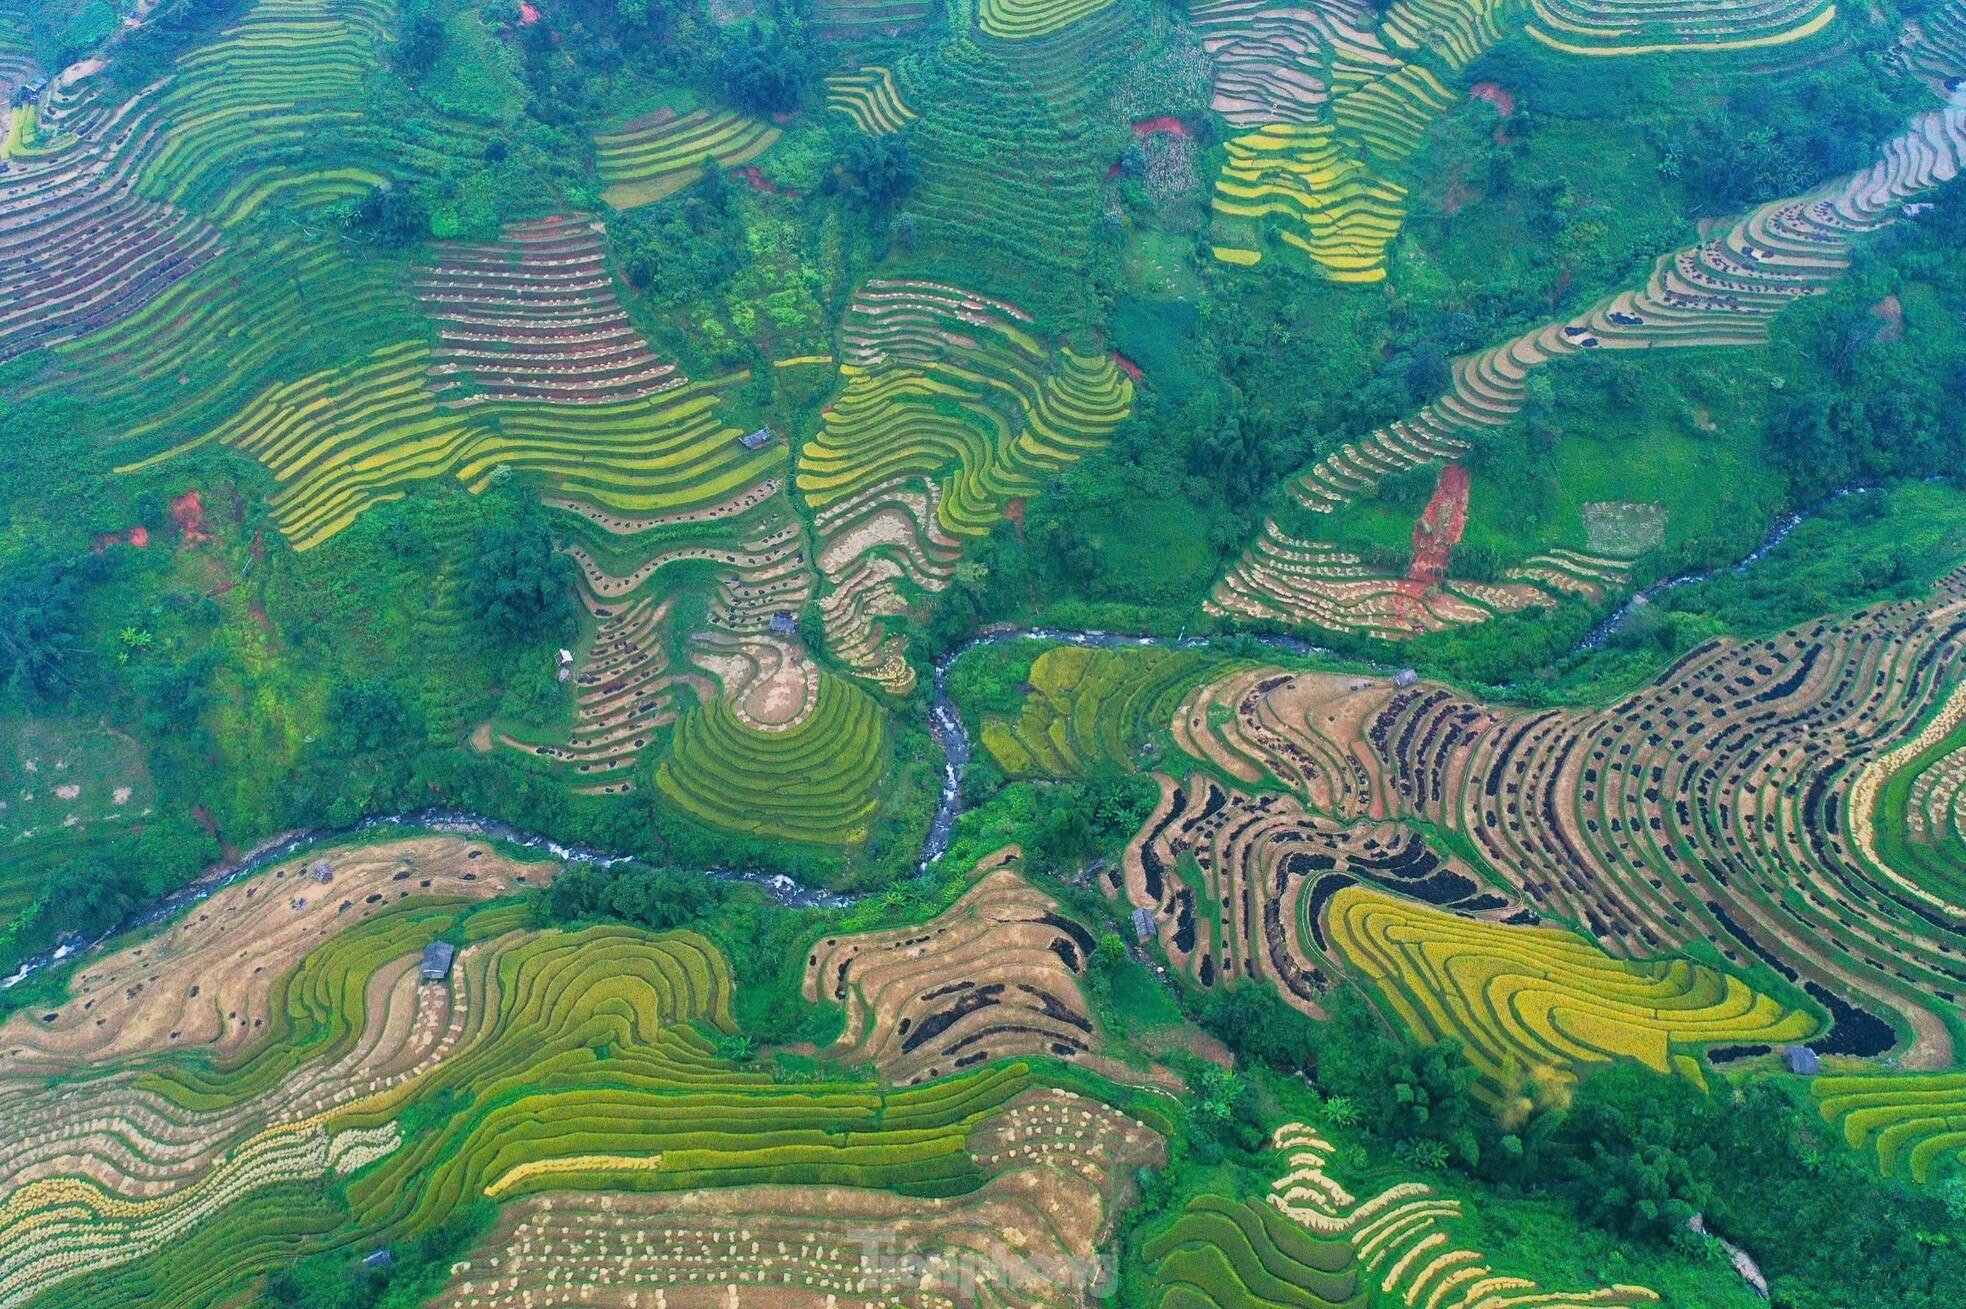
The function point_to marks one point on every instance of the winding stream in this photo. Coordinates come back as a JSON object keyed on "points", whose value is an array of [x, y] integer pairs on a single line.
{"points": [[1777, 534], [945, 725], [786, 890]]}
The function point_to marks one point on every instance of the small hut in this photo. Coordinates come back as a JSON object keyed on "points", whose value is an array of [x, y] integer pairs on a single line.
{"points": [[437, 959]]}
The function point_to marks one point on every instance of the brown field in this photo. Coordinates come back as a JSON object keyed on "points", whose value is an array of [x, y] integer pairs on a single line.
{"points": [[997, 974], [205, 981]]}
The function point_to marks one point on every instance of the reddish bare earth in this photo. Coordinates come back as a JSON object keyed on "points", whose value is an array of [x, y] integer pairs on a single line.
{"points": [[188, 512], [1495, 94], [1438, 531]]}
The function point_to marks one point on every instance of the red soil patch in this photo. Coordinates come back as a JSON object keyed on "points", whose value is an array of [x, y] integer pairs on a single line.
{"points": [[1126, 365], [1890, 312], [755, 179], [1014, 510], [527, 14], [1146, 127], [136, 536], [188, 512], [1438, 531], [1495, 94], [259, 545]]}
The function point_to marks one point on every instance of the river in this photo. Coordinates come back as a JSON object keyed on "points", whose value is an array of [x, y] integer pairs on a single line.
{"points": [[945, 725]]}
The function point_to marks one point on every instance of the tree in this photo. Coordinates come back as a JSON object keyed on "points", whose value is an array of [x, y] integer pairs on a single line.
{"points": [[369, 717], [421, 44], [39, 631], [390, 215], [879, 170], [516, 583], [764, 69]]}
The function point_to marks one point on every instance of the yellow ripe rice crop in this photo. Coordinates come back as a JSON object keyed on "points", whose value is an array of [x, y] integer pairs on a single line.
{"points": [[655, 157], [1300, 179], [1540, 1001], [1911, 1122], [871, 99], [346, 439]]}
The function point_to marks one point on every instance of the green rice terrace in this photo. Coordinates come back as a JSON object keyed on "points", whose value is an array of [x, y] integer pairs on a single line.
{"points": [[984, 654]]}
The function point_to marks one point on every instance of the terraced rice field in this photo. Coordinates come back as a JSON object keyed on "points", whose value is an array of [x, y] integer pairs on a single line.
{"points": [[1326, 204], [1534, 1002], [1328, 106], [816, 780], [1019, 20], [743, 564], [1717, 805], [1011, 154], [535, 317], [1724, 292], [994, 975], [1908, 808], [80, 249], [1934, 44], [346, 439], [850, 20], [656, 156], [1234, 882], [1285, 579], [871, 98], [1091, 709], [952, 393], [201, 350], [1650, 27], [1225, 1254], [278, 94], [299, 1039], [1060, 1167], [1913, 1123], [1316, 1245]]}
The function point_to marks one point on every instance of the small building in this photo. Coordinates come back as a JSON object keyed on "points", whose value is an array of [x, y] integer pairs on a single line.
{"points": [[784, 623], [1143, 924], [757, 440], [1802, 1060], [28, 92], [437, 959], [1405, 677], [321, 871], [381, 1261]]}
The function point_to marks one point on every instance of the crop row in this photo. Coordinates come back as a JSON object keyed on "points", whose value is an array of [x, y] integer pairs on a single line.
{"points": [[814, 781], [1639, 27], [1323, 202], [871, 99], [994, 975], [657, 156], [1539, 1001], [1089, 709], [1715, 806]]}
